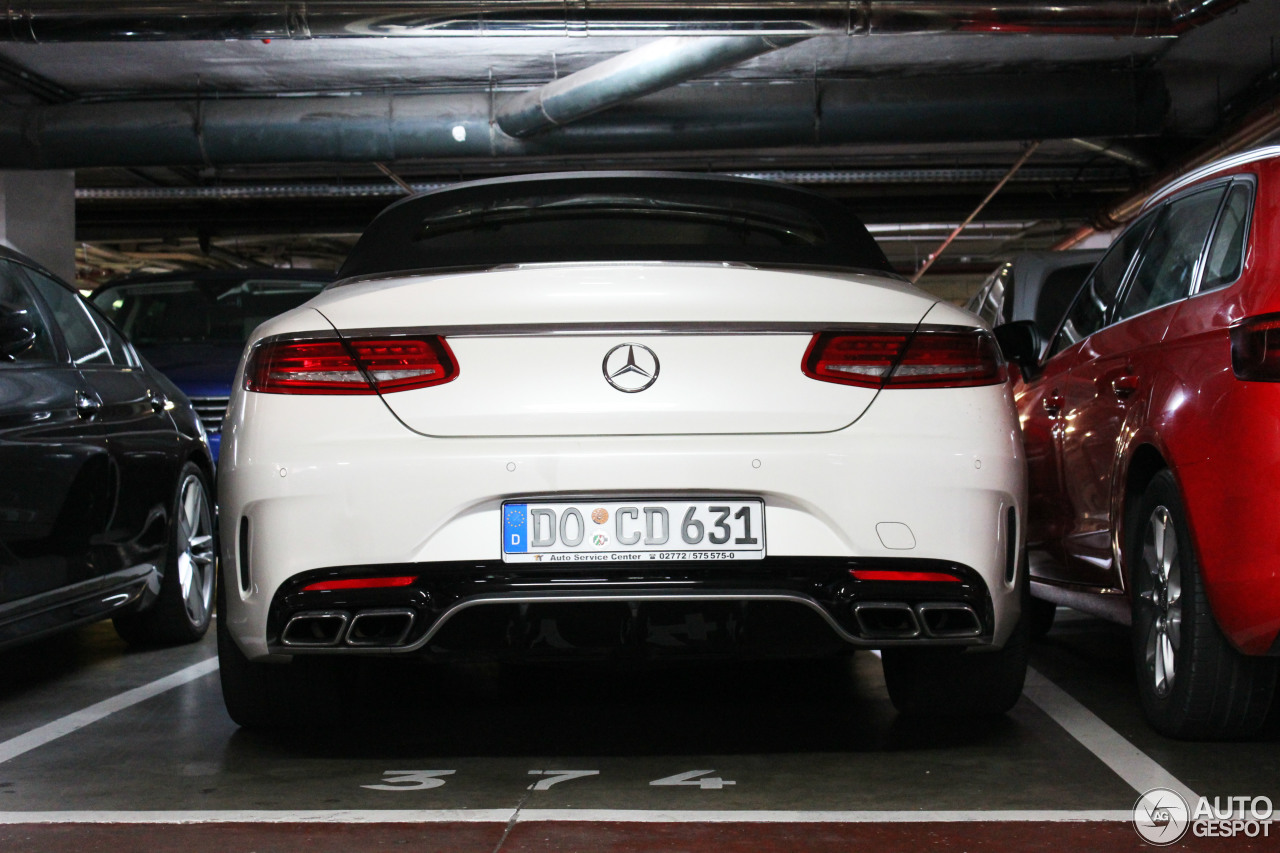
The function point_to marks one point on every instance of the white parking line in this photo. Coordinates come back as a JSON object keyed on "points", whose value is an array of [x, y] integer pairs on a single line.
{"points": [[1131, 764], [502, 816], [14, 747]]}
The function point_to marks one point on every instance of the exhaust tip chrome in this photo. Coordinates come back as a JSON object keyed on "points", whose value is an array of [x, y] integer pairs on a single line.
{"points": [[315, 629], [380, 628], [949, 619], [885, 620]]}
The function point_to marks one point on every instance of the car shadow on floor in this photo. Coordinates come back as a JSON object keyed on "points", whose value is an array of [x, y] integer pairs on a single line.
{"points": [[391, 708], [50, 659]]}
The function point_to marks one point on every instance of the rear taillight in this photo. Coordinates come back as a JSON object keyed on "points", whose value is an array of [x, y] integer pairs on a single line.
{"points": [[1255, 349], [863, 359], [949, 360], [356, 366], [920, 359]]}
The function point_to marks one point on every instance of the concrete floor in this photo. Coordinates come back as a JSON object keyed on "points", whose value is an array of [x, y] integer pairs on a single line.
{"points": [[95, 754]]}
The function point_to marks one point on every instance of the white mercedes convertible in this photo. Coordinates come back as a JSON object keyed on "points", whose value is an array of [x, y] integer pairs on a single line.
{"points": [[621, 415]]}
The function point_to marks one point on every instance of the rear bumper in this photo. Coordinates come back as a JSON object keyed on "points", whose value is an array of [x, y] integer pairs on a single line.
{"points": [[518, 610], [311, 485]]}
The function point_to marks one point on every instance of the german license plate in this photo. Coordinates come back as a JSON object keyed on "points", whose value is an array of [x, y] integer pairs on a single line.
{"points": [[640, 530]]}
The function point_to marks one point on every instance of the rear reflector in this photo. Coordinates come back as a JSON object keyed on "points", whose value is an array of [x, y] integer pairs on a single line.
{"points": [[879, 575], [921, 359], [1255, 349], [358, 583], [355, 366]]}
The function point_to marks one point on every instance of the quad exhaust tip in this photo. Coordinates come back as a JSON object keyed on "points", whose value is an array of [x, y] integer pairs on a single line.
{"points": [[949, 619], [366, 628], [380, 627], [316, 628], [883, 620], [887, 620]]}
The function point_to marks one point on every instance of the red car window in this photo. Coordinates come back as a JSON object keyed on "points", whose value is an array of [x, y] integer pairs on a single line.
{"points": [[1226, 252], [1168, 265], [1095, 300]]}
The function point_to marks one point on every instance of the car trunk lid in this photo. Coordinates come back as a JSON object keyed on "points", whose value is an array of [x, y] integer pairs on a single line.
{"points": [[625, 349]]}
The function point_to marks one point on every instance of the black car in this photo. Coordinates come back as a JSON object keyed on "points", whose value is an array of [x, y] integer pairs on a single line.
{"points": [[106, 507]]}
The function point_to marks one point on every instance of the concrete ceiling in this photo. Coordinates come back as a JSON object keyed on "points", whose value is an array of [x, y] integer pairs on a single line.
{"points": [[234, 139]]}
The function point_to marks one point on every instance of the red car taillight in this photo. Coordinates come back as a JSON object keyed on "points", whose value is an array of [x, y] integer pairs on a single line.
{"points": [[357, 366], [1255, 349], [921, 359]]}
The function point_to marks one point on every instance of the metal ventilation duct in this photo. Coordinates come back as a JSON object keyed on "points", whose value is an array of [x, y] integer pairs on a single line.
{"points": [[817, 177], [692, 116], [657, 65], [94, 20], [695, 116], [1260, 127]]}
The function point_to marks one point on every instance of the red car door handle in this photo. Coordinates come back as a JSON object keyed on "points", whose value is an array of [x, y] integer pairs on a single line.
{"points": [[1053, 403], [1125, 385]]}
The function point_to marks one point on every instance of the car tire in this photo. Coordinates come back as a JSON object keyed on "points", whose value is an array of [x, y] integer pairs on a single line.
{"points": [[1192, 682], [302, 693], [256, 694], [952, 682], [1040, 616], [248, 689], [183, 607]]}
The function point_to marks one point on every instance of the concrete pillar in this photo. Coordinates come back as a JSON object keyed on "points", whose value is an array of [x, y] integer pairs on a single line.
{"points": [[38, 217]]}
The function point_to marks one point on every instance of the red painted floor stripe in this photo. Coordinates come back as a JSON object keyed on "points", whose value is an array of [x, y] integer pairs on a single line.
{"points": [[246, 837], [572, 837]]}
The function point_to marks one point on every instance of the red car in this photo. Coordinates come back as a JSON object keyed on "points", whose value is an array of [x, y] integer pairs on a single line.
{"points": [[1152, 431]]}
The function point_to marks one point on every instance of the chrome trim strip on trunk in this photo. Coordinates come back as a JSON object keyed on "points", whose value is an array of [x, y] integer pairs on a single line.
{"points": [[515, 330]]}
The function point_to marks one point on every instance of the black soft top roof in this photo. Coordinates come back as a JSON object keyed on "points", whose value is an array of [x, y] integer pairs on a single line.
{"points": [[613, 216]]}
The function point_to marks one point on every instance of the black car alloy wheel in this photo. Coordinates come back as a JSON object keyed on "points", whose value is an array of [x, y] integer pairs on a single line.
{"points": [[184, 606], [194, 556]]}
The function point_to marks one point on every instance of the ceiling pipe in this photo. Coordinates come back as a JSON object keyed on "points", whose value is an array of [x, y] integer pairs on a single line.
{"points": [[1258, 127], [41, 88], [824, 177], [693, 116], [93, 20], [647, 69], [1116, 152]]}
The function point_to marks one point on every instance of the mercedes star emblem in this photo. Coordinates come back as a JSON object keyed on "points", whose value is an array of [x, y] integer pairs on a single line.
{"points": [[630, 367]]}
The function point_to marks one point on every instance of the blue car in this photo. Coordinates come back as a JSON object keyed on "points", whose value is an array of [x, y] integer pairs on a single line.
{"points": [[192, 326]]}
